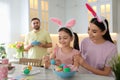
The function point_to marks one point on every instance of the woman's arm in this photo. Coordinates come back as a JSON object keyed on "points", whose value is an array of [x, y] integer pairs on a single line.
{"points": [[105, 72]]}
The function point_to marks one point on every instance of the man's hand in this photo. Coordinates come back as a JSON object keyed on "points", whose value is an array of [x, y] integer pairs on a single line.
{"points": [[35, 43]]}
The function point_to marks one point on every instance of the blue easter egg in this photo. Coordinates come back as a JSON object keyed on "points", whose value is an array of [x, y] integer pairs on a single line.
{"points": [[52, 61], [62, 65]]}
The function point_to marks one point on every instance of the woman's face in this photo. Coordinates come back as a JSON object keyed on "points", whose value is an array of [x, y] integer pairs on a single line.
{"points": [[64, 39], [95, 33]]}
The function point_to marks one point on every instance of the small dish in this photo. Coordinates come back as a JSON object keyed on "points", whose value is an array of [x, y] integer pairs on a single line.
{"points": [[32, 72]]}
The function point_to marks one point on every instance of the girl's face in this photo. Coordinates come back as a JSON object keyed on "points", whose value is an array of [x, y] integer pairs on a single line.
{"points": [[95, 34], [64, 39]]}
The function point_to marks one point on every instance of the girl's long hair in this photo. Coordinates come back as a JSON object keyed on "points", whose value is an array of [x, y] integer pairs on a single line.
{"points": [[76, 39]]}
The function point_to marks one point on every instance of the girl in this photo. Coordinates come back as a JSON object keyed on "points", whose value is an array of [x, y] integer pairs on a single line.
{"points": [[65, 53]]}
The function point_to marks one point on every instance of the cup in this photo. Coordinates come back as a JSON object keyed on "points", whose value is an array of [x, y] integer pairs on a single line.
{"points": [[3, 72]]}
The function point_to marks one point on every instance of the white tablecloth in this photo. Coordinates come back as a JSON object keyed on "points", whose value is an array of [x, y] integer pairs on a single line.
{"points": [[47, 74]]}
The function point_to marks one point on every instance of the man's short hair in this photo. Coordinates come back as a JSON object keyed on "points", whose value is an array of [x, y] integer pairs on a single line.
{"points": [[35, 19]]}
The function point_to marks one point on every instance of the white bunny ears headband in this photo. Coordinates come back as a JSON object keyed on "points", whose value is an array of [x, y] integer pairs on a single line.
{"points": [[99, 18], [68, 24]]}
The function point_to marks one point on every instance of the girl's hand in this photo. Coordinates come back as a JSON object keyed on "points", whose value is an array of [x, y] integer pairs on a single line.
{"points": [[58, 62], [53, 55], [46, 58], [55, 49], [46, 61]]}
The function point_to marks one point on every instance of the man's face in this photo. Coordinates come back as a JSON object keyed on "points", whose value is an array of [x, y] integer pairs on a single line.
{"points": [[35, 24]]}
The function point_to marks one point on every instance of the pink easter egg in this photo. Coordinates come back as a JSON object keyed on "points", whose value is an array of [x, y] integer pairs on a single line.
{"points": [[5, 61], [65, 66]]}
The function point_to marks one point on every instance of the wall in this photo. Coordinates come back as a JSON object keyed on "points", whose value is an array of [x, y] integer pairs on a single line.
{"points": [[19, 17], [116, 20], [19, 21], [56, 9], [76, 9], [67, 9]]}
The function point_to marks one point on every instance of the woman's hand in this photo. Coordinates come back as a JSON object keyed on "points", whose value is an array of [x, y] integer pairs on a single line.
{"points": [[106, 71], [78, 59]]}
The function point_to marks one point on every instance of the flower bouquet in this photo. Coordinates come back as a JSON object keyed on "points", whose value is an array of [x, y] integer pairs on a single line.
{"points": [[2, 51], [19, 47]]}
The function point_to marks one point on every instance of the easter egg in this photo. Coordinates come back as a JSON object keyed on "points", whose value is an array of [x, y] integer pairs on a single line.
{"points": [[65, 66], [29, 67], [62, 65], [58, 68], [26, 71], [66, 69], [52, 61]]}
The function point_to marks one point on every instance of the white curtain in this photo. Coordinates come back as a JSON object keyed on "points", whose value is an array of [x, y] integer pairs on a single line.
{"points": [[4, 23]]}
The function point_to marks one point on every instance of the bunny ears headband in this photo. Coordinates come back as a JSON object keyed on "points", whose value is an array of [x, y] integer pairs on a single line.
{"points": [[99, 19], [68, 24]]}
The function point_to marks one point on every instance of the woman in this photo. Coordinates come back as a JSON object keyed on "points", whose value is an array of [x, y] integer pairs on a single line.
{"points": [[98, 49]]}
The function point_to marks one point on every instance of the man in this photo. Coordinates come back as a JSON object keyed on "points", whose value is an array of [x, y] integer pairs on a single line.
{"points": [[37, 41]]}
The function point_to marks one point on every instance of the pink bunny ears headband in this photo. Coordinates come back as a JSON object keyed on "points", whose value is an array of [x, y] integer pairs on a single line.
{"points": [[68, 25], [99, 19]]}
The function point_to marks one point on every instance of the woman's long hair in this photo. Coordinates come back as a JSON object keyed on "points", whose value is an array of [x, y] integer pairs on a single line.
{"points": [[101, 26]]}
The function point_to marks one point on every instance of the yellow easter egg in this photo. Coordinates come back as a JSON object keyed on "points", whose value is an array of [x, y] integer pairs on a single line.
{"points": [[29, 67]]}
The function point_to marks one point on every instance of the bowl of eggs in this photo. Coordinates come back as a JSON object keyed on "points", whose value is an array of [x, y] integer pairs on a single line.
{"points": [[64, 71]]}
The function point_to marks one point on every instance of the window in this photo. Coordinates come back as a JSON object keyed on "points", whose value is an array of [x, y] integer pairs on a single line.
{"points": [[40, 10], [44, 14], [103, 8]]}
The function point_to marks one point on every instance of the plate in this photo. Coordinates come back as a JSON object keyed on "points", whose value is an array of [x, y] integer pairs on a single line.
{"points": [[33, 72]]}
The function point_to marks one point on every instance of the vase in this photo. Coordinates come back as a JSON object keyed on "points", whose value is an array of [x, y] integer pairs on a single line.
{"points": [[19, 54]]}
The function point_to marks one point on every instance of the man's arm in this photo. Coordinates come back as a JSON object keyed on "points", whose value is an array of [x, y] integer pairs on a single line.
{"points": [[27, 47], [47, 45]]}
